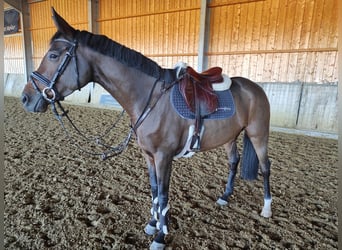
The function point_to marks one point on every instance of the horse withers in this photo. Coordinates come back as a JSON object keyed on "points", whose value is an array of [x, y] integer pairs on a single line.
{"points": [[144, 90]]}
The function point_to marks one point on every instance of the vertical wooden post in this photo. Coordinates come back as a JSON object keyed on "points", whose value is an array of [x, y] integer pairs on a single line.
{"points": [[27, 39], [203, 36], [92, 16], [23, 7]]}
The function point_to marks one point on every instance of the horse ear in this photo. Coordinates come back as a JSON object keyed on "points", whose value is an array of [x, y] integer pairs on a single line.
{"points": [[61, 25]]}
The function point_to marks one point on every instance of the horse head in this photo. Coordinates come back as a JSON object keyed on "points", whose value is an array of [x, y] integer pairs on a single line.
{"points": [[62, 70]]}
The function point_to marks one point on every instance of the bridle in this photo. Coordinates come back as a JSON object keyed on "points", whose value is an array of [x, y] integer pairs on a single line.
{"points": [[50, 84], [56, 97]]}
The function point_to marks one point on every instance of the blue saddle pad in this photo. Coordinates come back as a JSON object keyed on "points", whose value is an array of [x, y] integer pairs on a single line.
{"points": [[226, 106]]}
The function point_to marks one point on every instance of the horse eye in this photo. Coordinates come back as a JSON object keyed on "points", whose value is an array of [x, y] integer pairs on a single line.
{"points": [[53, 56]]}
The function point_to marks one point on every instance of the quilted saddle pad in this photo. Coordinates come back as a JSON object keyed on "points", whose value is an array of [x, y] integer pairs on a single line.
{"points": [[226, 106]]}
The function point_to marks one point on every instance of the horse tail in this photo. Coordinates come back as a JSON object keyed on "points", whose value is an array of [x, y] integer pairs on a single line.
{"points": [[250, 161]]}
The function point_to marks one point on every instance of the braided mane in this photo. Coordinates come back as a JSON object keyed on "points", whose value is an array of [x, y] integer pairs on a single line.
{"points": [[126, 56]]}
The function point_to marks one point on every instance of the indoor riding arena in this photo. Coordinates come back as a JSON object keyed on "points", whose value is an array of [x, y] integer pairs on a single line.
{"points": [[60, 193]]}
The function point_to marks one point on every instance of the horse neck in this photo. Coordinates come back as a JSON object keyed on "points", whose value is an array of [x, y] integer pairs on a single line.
{"points": [[128, 86]]}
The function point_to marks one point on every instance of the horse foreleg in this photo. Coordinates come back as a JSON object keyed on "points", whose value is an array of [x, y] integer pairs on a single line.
{"points": [[233, 161], [159, 174], [151, 227]]}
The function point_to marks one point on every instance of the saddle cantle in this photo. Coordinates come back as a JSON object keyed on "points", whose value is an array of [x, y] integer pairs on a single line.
{"points": [[197, 89]]}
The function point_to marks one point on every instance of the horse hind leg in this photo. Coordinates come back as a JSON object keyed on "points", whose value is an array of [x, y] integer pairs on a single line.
{"points": [[233, 161], [260, 146], [265, 170]]}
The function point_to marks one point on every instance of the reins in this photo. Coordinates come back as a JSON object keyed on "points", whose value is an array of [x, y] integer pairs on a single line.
{"points": [[110, 151]]}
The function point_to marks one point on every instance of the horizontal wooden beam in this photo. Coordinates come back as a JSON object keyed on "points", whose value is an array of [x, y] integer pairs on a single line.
{"points": [[148, 14], [53, 27], [231, 2], [309, 50]]}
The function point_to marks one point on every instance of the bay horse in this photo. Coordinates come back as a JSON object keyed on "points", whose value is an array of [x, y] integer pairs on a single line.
{"points": [[76, 58]]}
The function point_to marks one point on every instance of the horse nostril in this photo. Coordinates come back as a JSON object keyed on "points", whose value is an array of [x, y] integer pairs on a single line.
{"points": [[24, 99]]}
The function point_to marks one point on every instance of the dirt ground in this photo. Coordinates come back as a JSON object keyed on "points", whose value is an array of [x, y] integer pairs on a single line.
{"points": [[59, 198]]}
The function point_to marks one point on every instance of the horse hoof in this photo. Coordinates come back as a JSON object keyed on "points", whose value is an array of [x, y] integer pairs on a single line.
{"points": [[266, 213], [150, 230], [222, 202], [157, 246]]}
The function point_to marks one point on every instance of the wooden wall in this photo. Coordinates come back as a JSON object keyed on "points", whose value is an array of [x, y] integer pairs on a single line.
{"points": [[265, 40], [275, 40], [166, 31], [13, 54]]}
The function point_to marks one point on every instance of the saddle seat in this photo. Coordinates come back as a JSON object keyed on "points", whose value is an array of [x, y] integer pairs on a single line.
{"points": [[198, 91]]}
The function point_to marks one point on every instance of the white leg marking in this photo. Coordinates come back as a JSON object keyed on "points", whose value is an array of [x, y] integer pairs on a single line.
{"points": [[150, 230], [154, 212], [157, 246], [267, 211], [222, 202]]}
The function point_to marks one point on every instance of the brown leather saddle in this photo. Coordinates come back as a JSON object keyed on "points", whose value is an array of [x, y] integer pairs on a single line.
{"points": [[198, 93]]}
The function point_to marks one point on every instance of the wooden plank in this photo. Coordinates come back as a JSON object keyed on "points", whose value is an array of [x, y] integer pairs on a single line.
{"points": [[288, 30], [256, 26], [242, 27], [260, 68], [253, 67], [316, 24], [220, 3], [245, 67], [284, 75], [277, 64], [333, 24], [324, 32], [318, 67], [298, 72], [228, 29], [235, 28], [309, 69], [249, 26], [331, 67], [306, 23], [272, 25], [264, 26], [297, 24], [280, 25], [213, 29]]}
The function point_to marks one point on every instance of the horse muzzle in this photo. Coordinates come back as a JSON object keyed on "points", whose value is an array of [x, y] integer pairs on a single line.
{"points": [[34, 103]]}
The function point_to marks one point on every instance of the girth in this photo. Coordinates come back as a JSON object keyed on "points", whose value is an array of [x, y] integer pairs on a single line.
{"points": [[199, 95]]}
